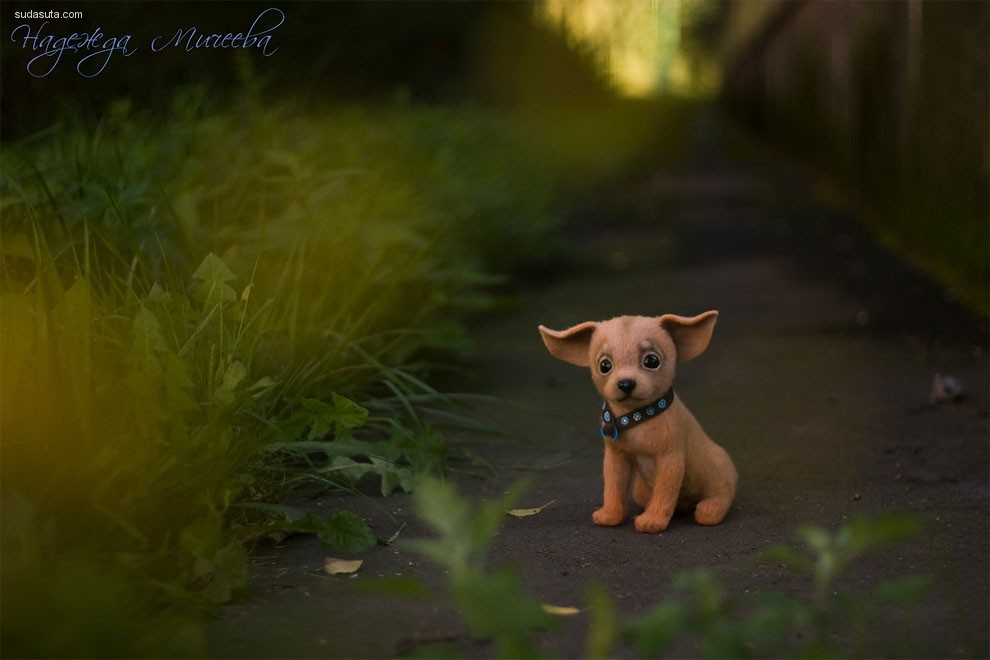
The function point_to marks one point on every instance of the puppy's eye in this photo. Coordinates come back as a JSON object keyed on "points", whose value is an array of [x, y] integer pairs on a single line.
{"points": [[605, 366], [651, 361]]}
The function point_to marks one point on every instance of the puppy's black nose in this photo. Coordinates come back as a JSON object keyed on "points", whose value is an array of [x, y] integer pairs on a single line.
{"points": [[626, 386]]}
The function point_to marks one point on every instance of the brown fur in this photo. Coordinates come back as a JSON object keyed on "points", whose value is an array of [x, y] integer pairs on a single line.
{"points": [[669, 462]]}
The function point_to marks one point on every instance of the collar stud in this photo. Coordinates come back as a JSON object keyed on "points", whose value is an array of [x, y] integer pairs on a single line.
{"points": [[611, 425]]}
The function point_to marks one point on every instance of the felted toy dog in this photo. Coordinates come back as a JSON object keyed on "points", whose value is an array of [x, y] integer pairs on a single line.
{"points": [[650, 436]]}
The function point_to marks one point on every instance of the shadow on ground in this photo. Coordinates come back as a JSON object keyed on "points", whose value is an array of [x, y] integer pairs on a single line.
{"points": [[817, 382]]}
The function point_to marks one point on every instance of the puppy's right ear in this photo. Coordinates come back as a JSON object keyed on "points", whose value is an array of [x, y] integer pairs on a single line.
{"points": [[570, 345]]}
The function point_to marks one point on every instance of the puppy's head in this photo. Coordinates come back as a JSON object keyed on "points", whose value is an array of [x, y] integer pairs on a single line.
{"points": [[632, 358]]}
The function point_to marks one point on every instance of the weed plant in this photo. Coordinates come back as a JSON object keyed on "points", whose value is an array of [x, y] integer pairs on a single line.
{"points": [[700, 615], [205, 314]]}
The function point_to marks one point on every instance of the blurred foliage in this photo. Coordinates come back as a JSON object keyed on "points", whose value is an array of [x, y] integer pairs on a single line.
{"points": [[223, 304], [493, 602], [829, 621], [216, 302], [645, 49], [205, 314]]}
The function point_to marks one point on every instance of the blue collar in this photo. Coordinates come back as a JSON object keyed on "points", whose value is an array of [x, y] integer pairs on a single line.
{"points": [[611, 426]]}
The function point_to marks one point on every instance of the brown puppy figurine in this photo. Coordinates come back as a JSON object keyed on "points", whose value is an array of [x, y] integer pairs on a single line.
{"points": [[649, 433]]}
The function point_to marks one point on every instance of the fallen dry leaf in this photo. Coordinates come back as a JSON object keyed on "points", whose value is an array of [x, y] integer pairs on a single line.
{"points": [[558, 610], [333, 566], [522, 513], [392, 539]]}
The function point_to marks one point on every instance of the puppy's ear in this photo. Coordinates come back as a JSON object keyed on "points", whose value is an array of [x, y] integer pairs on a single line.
{"points": [[690, 335], [570, 345]]}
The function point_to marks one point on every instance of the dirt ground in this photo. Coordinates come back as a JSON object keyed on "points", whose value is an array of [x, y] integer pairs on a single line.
{"points": [[817, 382]]}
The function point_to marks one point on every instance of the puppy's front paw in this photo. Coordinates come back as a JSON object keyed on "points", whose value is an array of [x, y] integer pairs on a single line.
{"points": [[651, 524], [607, 518]]}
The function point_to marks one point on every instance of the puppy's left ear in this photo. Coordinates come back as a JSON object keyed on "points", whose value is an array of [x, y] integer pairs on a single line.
{"points": [[571, 345], [690, 335]]}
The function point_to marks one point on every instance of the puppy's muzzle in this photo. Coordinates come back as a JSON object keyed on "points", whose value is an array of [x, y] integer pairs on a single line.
{"points": [[627, 385]]}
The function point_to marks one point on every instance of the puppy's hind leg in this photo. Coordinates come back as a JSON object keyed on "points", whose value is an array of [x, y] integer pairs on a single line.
{"points": [[721, 488], [711, 511]]}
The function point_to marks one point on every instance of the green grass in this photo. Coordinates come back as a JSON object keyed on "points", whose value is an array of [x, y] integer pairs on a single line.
{"points": [[211, 312], [826, 620], [207, 313]]}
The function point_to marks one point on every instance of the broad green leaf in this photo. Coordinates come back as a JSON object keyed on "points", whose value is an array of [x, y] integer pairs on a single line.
{"points": [[655, 631], [903, 590], [438, 504], [147, 334], [604, 627], [262, 387], [343, 530], [234, 375], [346, 532], [214, 289], [774, 621], [496, 606], [348, 415], [862, 534], [231, 563], [317, 406], [393, 476], [226, 391], [228, 573], [157, 295], [212, 268], [705, 591], [349, 470], [177, 384], [320, 418], [817, 538], [342, 416], [789, 557], [426, 452], [215, 293]]}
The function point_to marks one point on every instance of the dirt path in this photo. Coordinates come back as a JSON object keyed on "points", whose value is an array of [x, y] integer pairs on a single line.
{"points": [[816, 382]]}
